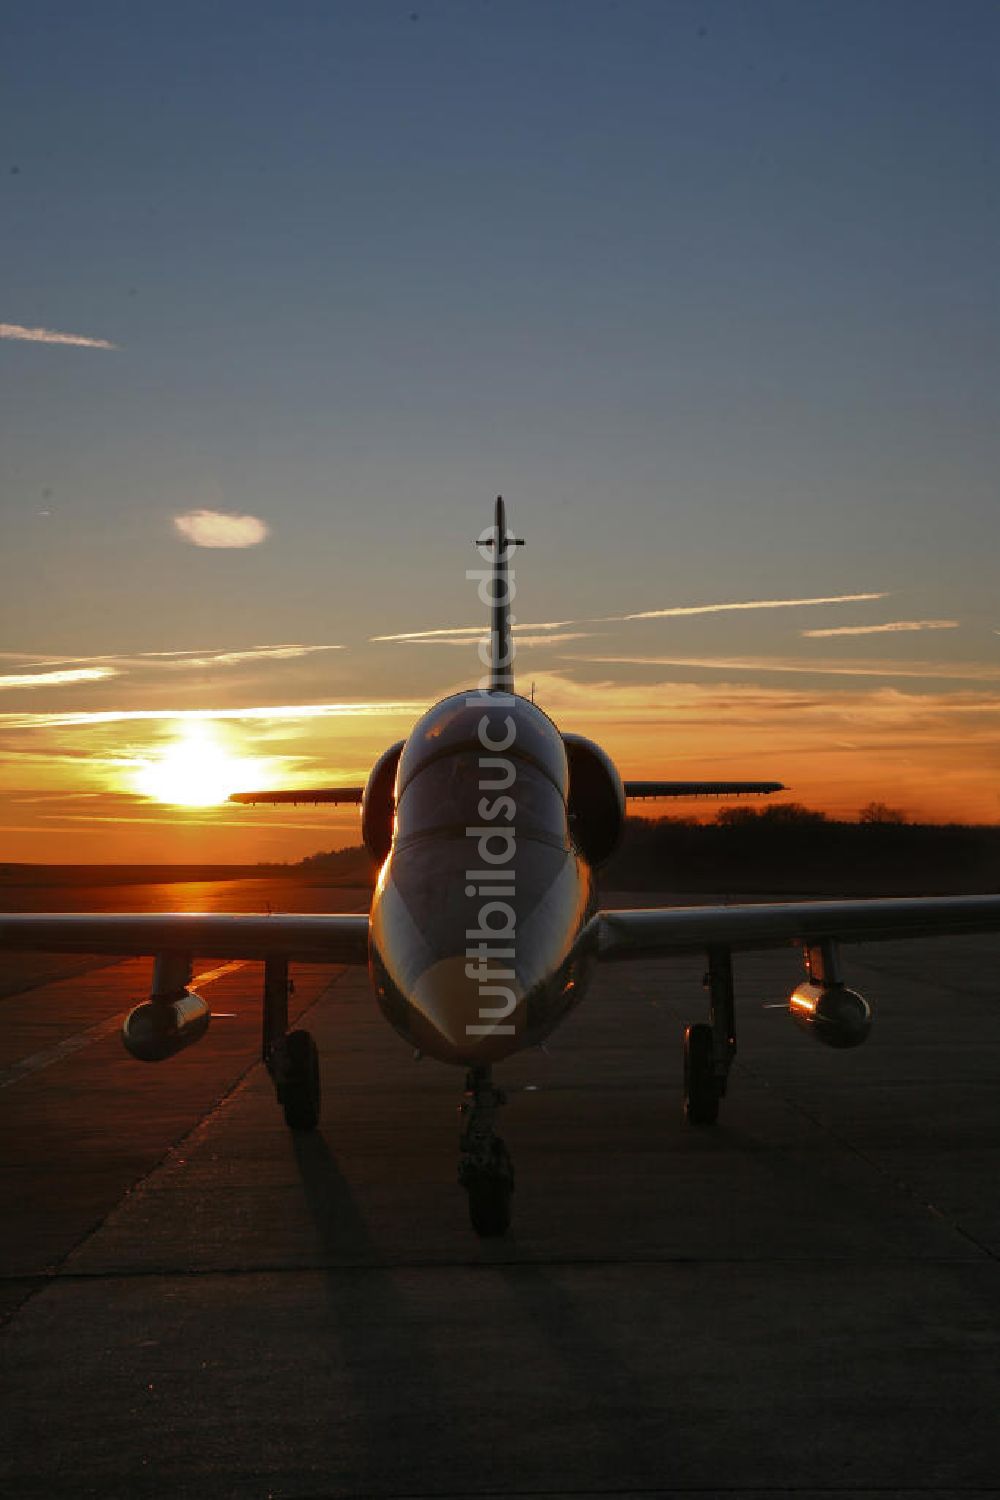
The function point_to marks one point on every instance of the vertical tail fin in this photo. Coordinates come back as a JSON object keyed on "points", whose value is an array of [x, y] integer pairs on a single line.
{"points": [[501, 640]]}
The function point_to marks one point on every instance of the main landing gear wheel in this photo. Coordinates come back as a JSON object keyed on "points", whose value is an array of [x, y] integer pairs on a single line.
{"points": [[490, 1188], [701, 1091], [299, 1083]]}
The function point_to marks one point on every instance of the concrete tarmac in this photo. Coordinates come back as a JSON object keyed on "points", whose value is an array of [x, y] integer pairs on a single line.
{"points": [[803, 1300]]}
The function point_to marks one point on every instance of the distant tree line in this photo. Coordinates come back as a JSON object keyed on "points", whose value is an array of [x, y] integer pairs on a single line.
{"points": [[783, 849], [787, 849], [353, 866]]}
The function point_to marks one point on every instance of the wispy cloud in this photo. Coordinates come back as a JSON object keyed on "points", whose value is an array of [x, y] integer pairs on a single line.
{"points": [[230, 658], [677, 610], [56, 679], [519, 639], [674, 611], [216, 528], [890, 627], [192, 651], [280, 713], [706, 705], [471, 632], [179, 816], [50, 336], [46, 659], [554, 639], [959, 671], [930, 749], [204, 656], [10, 752]]}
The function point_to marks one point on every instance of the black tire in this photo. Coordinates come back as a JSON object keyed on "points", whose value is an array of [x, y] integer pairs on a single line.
{"points": [[490, 1190], [701, 1092], [489, 1206], [300, 1091]]}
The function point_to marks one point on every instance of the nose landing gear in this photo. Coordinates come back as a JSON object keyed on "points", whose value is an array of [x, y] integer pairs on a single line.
{"points": [[485, 1169]]}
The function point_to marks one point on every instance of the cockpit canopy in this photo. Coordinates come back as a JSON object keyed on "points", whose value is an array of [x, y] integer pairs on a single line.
{"points": [[473, 749]]}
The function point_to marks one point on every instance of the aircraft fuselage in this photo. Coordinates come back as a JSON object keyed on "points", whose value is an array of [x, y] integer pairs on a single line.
{"points": [[482, 896]]}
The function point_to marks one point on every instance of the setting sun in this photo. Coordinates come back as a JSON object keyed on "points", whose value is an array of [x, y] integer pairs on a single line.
{"points": [[197, 771]]}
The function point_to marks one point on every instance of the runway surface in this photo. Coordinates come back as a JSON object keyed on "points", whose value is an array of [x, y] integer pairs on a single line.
{"points": [[804, 1300]]}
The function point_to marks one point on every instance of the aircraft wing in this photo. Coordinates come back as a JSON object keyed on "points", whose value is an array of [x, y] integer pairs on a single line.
{"points": [[700, 788], [301, 798], [356, 794], [661, 931], [334, 939]]}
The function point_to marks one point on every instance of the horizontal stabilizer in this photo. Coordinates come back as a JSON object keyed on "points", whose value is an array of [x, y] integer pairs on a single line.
{"points": [[297, 798], [701, 788]]}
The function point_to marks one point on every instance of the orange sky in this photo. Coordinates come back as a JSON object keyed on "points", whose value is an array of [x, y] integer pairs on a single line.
{"points": [[95, 781]]}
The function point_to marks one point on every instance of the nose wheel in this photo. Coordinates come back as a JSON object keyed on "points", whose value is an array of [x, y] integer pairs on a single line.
{"points": [[490, 1190], [485, 1169]]}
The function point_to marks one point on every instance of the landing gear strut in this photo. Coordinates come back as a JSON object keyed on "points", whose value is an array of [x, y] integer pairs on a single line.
{"points": [[485, 1169], [709, 1048], [291, 1057]]}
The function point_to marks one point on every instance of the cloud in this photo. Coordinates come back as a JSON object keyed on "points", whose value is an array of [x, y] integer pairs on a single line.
{"points": [[718, 609], [180, 815], [230, 658], [438, 638], [959, 671], [56, 679], [888, 627], [35, 756], [471, 632], [930, 749], [552, 640], [203, 656], [49, 336], [281, 713], [216, 528], [42, 659], [709, 704]]}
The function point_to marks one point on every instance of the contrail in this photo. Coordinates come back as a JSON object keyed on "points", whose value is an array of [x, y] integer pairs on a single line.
{"points": [[50, 336]]}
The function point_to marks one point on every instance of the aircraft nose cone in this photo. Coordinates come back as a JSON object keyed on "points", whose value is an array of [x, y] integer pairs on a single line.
{"points": [[444, 943], [475, 1012]]}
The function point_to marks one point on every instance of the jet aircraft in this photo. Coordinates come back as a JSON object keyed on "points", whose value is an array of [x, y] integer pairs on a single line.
{"points": [[488, 824]]}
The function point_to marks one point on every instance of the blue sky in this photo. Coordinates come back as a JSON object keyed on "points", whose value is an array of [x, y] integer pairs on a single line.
{"points": [[708, 290]]}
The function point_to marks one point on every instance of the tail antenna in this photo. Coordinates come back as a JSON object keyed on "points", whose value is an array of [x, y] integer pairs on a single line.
{"points": [[501, 640]]}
